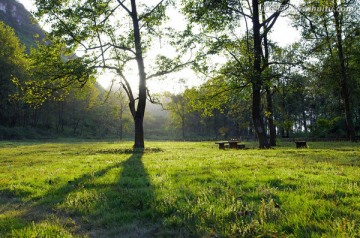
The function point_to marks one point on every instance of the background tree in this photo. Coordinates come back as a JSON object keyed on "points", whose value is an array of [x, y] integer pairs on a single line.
{"points": [[118, 101], [13, 65], [179, 111]]}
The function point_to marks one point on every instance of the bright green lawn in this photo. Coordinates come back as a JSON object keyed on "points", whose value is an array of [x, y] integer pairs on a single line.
{"points": [[88, 189]]}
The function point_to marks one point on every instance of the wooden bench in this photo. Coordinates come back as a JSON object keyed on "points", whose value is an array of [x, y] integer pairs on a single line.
{"points": [[300, 144], [231, 143], [221, 144]]}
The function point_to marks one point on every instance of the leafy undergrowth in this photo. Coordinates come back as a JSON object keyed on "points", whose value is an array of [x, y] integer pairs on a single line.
{"points": [[178, 190]]}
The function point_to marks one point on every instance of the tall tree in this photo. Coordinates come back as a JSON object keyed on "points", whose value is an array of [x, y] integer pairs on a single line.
{"points": [[222, 19], [344, 81], [112, 34], [326, 27], [268, 76]]}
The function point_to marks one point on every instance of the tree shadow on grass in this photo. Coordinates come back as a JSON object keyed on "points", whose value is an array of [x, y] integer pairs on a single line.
{"points": [[130, 203], [119, 201], [86, 206]]}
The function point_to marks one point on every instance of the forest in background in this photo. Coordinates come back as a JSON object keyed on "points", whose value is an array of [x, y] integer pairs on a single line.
{"points": [[306, 97]]}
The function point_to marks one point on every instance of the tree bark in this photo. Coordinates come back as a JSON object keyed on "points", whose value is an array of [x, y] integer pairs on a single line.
{"points": [[257, 119], [140, 111], [257, 80], [139, 133], [343, 76]]}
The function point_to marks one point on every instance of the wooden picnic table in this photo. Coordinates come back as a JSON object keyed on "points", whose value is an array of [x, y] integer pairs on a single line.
{"points": [[233, 144]]}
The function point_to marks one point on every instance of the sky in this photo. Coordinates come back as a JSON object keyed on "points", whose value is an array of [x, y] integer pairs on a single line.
{"points": [[282, 33]]}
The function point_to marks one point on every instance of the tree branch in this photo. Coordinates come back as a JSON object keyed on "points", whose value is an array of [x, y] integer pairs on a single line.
{"points": [[149, 13], [236, 59], [68, 30], [152, 99], [124, 7], [110, 14], [123, 48], [241, 12], [239, 87], [270, 21], [173, 69]]}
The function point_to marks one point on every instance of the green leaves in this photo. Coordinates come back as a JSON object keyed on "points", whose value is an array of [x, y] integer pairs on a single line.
{"points": [[154, 15], [12, 52], [164, 63], [214, 15], [13, 66], [50, 76]]}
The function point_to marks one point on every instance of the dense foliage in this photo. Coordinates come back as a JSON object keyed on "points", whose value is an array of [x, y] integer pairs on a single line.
{"points": [[13, 64]]}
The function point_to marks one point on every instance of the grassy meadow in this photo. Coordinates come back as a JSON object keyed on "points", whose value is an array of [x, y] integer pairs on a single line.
{"points": [[178, 189]]}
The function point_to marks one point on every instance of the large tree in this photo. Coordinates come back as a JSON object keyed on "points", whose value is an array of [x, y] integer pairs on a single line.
{"points": [[222, 19], [329, 27], [111, 35]]}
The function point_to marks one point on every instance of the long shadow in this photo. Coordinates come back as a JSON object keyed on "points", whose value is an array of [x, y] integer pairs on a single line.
{"points": [[125, 209], [41, 208], [131, 203]]}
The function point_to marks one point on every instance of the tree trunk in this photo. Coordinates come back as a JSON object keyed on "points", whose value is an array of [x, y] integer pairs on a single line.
{"points": [[343, 76], [269, 102], [270, 116], [139, 133], [282, 128], [257, 119], [257, 80], [140, 111]]}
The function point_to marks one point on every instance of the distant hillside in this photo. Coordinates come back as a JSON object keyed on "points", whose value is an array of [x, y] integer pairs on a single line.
{"points": [[15, 15]]}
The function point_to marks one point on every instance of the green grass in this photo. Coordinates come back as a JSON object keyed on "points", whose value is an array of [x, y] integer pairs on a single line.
{"points": [[104, 189]]}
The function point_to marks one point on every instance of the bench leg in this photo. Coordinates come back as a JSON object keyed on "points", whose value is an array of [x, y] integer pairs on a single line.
{"points": [[221, 146], [240, 146], [233, 145], [300, 145]]}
